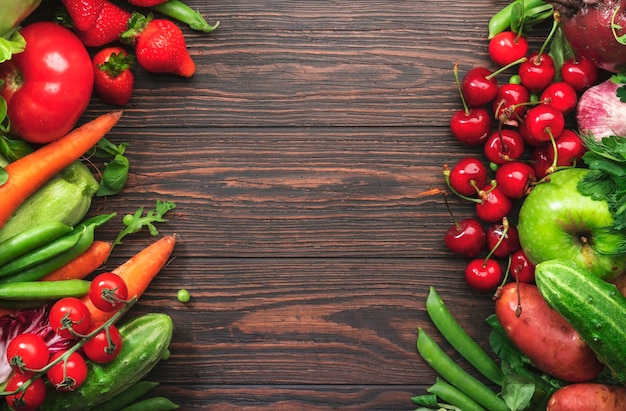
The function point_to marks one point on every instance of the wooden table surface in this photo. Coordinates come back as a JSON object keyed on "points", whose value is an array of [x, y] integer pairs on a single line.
{"points": [[296, 155]]}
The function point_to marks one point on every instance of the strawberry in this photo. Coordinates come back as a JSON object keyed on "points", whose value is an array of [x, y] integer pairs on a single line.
{"points": [[146, 3], [84, 13], [113, 78], [110, 24], [159, 46]]}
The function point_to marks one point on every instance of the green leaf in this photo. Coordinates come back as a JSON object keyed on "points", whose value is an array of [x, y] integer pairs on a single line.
{"points": [[12, 45], [135, 222], [114, 176], [4, 176]]}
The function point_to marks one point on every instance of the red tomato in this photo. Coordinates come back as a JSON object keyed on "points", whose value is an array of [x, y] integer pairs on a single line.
{"points": [[27, 352], [108, 291], [31, 398], [67, 374], [103, 348], [69, 314], [48, 86]]}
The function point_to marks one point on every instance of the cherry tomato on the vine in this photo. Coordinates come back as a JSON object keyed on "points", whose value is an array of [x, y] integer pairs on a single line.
{"points": [[28, 400], [105, 346], [68, 374], [67, 314], [27, 351], [108, 291]]}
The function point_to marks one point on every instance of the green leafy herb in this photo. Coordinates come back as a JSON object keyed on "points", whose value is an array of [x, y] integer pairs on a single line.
{"points": [[4, 176], [115, 172], [607, 179], [135, 222], [620, 79]]}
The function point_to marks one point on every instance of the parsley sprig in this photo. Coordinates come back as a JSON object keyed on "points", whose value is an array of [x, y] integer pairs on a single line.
{"points": [[606, 179]]}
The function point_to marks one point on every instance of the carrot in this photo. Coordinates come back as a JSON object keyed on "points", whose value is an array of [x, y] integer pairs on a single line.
{"points": [[138, 272], [30, 172], [83, 265]]}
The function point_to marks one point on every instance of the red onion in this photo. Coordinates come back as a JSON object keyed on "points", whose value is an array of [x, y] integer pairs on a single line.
{"points": [[600, 112], [588, 27]]}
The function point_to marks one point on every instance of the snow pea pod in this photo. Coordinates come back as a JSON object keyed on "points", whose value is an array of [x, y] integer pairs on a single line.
{"points": [[31, 239], [502, 20], [43, 253], [128, 396], [152, 404], [44, 290]]}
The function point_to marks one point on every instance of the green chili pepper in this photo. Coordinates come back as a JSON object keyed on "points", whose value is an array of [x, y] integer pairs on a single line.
{"points": [[152, 404], [43, 253], [128, 397], [30, 240], [44, 290], [178, 10]]}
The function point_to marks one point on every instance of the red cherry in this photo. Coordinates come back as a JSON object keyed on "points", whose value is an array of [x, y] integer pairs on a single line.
{"points": [[537, 72], [580, 73], [479, 87], [468, 176], [509, 243], [508, 105], [515, 178], [541, 162], [483, 274], [544, 123], [494, 205], [471, 126], [569, 148], [466, 238], [521, 268], [504, 145], [507, 47], [561, 96]]}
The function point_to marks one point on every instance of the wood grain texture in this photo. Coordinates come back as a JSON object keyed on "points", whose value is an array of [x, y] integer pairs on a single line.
{"points": [[296, 156]]}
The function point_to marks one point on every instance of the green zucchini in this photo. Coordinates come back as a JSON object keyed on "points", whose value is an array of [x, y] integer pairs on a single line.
{"points": [[65, 198], [145, 341], [594, 307]]}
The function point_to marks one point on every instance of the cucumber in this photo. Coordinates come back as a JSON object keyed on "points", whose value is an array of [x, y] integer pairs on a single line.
{"points": [[594, 307], [66, 198], [145, 341]]}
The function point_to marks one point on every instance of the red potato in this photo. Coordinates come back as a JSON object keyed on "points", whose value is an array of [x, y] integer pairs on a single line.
{"points": [[587, 397], [544, 336]]}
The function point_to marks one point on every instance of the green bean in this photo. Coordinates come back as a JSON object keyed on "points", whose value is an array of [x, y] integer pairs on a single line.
{"points": [[43, 253], [501, 21], [44, 290], [23, 304], [460, 340], [128, 396], [31, 239], [453, 396], [152, 404], [178, 10], [455, 375], [38, 271]]}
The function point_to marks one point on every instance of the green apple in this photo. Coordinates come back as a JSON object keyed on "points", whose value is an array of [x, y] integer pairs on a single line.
{"points": [[557, 221]]}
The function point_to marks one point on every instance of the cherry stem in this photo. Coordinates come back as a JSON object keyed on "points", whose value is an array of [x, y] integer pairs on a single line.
{"points": [[498, 291], [458, 86], [504, 68], [446, 174], [555, 25], [505, 229], [445, 200]]}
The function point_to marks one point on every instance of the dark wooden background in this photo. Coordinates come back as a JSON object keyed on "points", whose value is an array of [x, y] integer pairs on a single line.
{"points": [[296, 156]]}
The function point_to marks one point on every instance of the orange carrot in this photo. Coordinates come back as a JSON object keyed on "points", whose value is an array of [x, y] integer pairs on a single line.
{"points": [[30, 172], [138, 272], [83, 265]]}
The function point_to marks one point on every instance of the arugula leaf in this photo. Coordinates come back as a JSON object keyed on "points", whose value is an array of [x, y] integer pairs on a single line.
{"points": [[135, 222], [606, 179], [620, 78]]}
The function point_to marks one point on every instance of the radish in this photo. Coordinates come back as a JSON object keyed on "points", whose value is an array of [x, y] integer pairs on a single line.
{"points": [[596, 30], [600, 113]]}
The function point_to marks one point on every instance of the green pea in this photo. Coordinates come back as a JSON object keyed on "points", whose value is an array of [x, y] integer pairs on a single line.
{"points": [[451, 395], [183, 296], [44, 290]]}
